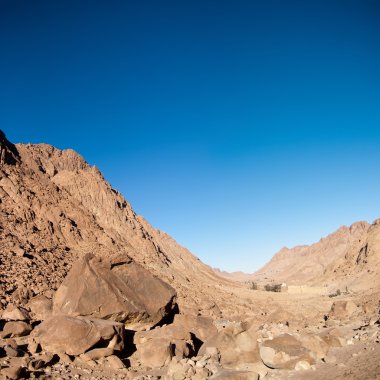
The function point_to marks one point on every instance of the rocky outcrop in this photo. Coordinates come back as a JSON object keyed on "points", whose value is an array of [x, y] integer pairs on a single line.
{"points": [[122, 291], [56, 208]]}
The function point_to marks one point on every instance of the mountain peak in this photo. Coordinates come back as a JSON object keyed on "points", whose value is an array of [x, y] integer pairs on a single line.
{"points": [[8, 152]]}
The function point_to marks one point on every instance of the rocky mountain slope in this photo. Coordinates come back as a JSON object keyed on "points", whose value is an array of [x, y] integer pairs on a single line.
{"points": [[56, 208], [326, 262], [359, 268]]}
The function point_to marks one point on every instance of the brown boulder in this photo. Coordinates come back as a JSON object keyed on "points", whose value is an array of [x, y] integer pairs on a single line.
{"points": [[156, 347], [202, 327], [40, 307], [76, 335], [284, 351], [122, 291], [97, 353], [315, 344], [154, 353], [14, 313], [114, 362], [237, 345], [333, 338], [12, 373], [16, 329]]}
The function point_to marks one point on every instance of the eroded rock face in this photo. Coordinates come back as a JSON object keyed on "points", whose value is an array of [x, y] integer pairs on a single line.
{"points": [[123, 292], [76, 335]]}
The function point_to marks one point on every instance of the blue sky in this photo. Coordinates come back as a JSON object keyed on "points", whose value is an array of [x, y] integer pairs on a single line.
{"points": [[238, 127]]}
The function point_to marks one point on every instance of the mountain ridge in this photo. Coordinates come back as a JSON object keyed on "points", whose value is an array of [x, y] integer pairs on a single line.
{"points": [[71, 210]]}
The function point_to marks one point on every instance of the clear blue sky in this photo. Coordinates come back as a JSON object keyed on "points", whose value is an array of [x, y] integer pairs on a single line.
{"points": [[237, 127]]}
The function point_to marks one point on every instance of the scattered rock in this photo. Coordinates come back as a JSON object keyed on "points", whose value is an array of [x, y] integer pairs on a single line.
{"points": [[155, 353], [16, 329], [114, 362], [14, 313], [97, 353], [236, 344], [76, 335], [11, 373], [302, 365], [40, 307], [235, 375]]}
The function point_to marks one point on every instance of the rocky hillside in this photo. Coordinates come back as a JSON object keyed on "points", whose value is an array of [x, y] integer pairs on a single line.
{"points": [[56, 208], [359, 268], [327, 261]]}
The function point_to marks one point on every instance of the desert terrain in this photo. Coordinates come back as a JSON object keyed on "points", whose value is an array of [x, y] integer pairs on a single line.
{"points": [[90, 290]]}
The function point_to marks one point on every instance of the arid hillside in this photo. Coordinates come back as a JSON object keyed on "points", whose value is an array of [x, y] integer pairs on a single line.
{"points": [[56, 208], [348, 257]]}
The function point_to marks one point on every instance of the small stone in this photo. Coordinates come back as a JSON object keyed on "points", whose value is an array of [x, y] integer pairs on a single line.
{"points": [[33, 346], [330, 359], [16, 329], [114, 362], [14, 313], [97, 353], [302, 365], [373, 321], [64, 358], [12, 373], [11, 352]]}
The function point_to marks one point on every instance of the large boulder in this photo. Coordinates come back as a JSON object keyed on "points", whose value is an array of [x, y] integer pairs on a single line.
{"points": [[155, 348], [284, 351], [76, 335], [119, 290], [237, 345], [200, 326]]}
